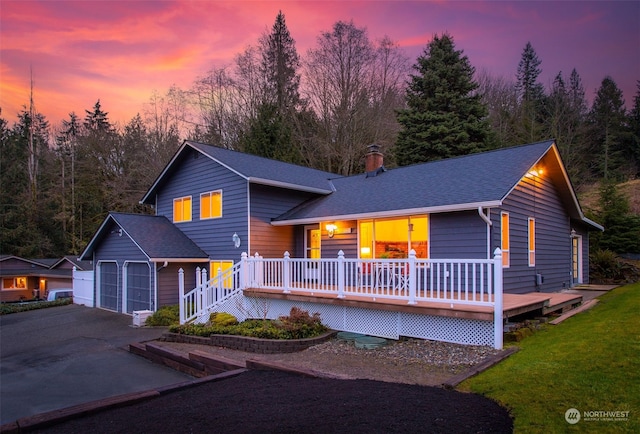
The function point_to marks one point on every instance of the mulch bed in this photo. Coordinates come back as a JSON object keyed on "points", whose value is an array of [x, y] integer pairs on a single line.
{"points": [[281, 402]]}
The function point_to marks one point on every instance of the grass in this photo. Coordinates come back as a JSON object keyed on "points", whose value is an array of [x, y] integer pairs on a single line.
{"points": [[590, 362]]}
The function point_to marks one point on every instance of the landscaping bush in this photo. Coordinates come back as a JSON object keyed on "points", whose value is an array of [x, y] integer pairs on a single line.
{"points": [[222, 319], [297, 325], [605, 266], [165, 316], [7, 308]]}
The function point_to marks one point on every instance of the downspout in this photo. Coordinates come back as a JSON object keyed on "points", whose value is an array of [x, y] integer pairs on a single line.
{"points": [[487, 220]]}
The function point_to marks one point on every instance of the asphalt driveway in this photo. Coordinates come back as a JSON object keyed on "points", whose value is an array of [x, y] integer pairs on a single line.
{"points": [[63, 356]]}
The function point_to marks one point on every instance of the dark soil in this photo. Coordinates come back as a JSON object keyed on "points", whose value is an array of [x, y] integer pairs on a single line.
{"points": [[281, 402]]}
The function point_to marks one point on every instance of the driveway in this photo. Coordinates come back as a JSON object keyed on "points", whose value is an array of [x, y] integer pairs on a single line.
{"points": [[63, 356]]}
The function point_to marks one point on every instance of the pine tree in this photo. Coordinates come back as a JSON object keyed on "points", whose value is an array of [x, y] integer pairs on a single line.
{"points": [[530, 95], [632, 148], [279, 66], [529, 88], [270, 132], [565, 117], [608, 117], [445, 116]]}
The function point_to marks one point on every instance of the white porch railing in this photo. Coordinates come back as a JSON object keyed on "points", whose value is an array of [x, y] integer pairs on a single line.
{"points": [[453, 281], [208, 293]]}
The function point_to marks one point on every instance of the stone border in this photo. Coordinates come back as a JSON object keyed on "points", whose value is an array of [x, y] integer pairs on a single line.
{"points": [[250, 345], [453, 382]]}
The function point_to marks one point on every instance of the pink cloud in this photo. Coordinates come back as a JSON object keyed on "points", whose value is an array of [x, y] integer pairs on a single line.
{"points": [[121, 51]]}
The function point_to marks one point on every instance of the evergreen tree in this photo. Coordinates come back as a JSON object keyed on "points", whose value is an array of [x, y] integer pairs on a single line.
{"points": [[527, 85], [270, 132], [565, 118], [445, 117], [632, 143], [27, 222], [621, 227], [608, 118], [530, 96], [279, 66]]}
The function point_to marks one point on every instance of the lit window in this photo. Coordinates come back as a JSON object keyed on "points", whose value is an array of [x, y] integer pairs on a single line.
{"points": [[182, 209], [223, 267], [504, 243], [532, 242], [211, 205], [394, 238], [14, 283]]}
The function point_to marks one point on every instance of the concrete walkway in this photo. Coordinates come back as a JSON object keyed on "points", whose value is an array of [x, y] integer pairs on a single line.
{"points": [[63, 356]]}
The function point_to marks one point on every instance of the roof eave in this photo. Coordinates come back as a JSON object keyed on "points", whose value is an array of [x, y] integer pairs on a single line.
{"points": [[158, 260], [391, 213], [593, 224], [297, 187], [90, 247]]}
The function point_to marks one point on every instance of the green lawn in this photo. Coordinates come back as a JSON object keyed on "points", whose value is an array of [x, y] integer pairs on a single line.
{"points": [[590, 362]]}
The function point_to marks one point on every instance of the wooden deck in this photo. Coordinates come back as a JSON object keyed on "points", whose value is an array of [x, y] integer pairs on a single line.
{"points": [[513, 304]]}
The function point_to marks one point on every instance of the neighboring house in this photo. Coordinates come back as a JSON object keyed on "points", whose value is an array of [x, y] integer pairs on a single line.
{"points": [[28, 279], [212, 204]]}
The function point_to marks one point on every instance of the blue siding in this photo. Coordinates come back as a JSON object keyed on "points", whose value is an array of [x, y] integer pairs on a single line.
{"points": [[198, 174], [268, 203], [459, 235], [120, 249], [536, 198], [347, 242]]}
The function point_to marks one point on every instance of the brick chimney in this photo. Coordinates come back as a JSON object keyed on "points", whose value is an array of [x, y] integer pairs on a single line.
{"points": [[373, 160]]}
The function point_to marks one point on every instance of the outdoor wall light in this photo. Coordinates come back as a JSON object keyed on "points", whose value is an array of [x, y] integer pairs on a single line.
{"points": [[331, 229], [536, 172], [236, 240]]}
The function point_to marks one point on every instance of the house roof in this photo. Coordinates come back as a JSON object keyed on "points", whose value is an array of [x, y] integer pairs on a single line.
{"points": [[254, 169], [32, 267], [74, 262], [158, 238], [461, 183]]}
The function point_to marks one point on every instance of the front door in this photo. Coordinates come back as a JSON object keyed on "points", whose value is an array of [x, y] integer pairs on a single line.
{"points": [[576, 260], [311, 250]]}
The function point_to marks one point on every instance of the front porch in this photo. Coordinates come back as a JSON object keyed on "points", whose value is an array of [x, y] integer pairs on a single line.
{"points": [[452, 300], [513, 304]]}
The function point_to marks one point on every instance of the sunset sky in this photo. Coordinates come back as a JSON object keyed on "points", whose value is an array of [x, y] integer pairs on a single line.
{"points": [[121, 51]]}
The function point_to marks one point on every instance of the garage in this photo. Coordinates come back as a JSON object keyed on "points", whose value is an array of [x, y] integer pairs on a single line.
{"points": [[138, 286]]}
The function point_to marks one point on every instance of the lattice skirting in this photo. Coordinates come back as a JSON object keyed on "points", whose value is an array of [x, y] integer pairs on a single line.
{"points": [[372, 322]]}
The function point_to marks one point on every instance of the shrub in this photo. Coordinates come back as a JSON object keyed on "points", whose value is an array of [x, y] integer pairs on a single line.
{"points": [[165, 316], [297, 325], [606, 267], [222, 319], [7, 308]]}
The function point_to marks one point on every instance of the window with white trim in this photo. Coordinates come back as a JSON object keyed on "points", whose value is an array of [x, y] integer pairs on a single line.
{"points": [[182, 209], [211, 205], [504, 239], [532, 242]]}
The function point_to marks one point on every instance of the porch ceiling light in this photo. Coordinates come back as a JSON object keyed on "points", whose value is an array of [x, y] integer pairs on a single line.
{"points": [[331, 229]]}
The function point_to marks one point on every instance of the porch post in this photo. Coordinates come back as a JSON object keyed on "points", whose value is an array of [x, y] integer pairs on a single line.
{"points": [[497, 301], [219, 287], [198, 277], [340, 274], [244, 270], [201, 290], [258, 270], [286, 273], [412, 277], [181, 294]]}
